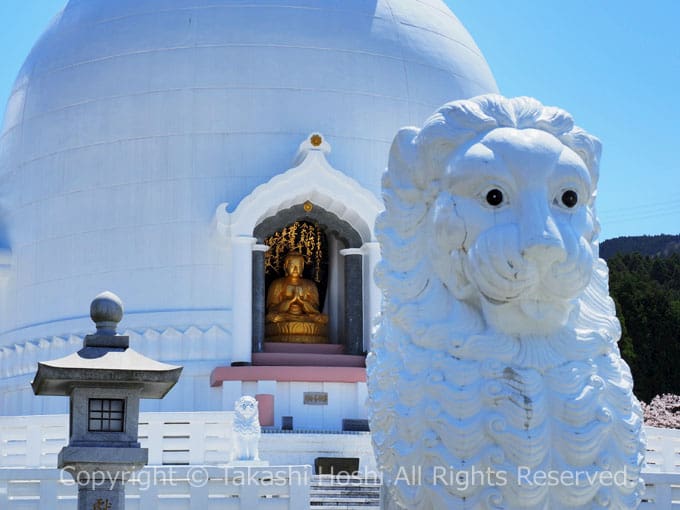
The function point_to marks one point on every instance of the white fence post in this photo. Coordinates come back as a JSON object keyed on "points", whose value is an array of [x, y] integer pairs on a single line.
{"points": [[154, 437], [48, 492], [148, 493], [34, 445], [299, 487], [660, 493], [4, 494], [199, 495], [197, 442]]}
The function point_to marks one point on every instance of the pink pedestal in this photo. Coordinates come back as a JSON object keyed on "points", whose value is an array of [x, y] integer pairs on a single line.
{"points": [[290, 362], [291, 348], [288, 374], [305, 355], [271, 359]]}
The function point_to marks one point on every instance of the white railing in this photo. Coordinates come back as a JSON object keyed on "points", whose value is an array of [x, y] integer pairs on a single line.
{"points": [[175, 487], [172, 438], [204, 438], [662, 491], [32, 441], [663, 450], [662, 473], [192, 438], [187, 438]]}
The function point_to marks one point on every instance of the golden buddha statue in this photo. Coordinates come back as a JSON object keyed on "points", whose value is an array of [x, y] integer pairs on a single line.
{"points": [[293, 307]]}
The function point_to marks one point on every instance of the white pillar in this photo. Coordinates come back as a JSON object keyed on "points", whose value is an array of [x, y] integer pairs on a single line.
{"points": [[231, 392], [242, 298], [373, 299]]}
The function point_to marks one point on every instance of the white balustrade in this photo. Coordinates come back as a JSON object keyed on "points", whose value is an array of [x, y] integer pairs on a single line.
{"points": [[184, 447], [663, 450], [172, 438], [662, 491], [176, 487]]}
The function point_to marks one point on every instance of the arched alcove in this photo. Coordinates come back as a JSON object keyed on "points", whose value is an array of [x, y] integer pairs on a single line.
{"points": [[343, 300]]}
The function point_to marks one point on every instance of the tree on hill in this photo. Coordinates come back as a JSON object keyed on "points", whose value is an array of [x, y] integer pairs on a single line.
{"points": [[646, 291], [662, 245]]}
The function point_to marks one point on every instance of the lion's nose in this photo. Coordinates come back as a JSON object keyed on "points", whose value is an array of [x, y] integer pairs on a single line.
{"points": [[540, 237]]}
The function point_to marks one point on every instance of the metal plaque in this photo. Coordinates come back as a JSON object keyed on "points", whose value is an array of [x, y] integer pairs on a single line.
{"points": [[315, 398]]}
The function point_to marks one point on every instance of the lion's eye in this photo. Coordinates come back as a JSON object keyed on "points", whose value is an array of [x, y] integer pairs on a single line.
{"points": [[494, 197], [570, 198]]}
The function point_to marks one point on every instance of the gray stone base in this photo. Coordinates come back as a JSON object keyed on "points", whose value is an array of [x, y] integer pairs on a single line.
{"points": [[110, 496], [101, 473], [114, 461]]}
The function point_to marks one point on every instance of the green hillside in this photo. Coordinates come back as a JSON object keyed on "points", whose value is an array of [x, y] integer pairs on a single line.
{"points": [[661, 245], [646, 290]]}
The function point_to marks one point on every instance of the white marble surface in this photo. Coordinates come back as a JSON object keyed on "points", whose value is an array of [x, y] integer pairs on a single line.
{"points": [[495, 374]]}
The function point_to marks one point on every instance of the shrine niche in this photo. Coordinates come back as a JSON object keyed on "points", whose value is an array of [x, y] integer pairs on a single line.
{"points": [[306, 288], [296, 269]]}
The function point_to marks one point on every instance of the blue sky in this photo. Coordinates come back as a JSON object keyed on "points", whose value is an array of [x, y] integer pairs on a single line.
{"points": [[614, 64]]}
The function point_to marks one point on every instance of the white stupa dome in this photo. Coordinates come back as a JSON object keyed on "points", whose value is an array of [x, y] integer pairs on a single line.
{"points": [[131, 120]]}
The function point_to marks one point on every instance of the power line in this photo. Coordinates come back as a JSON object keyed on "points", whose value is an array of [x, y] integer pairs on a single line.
{"points": [[651, 205], [645, 215]]}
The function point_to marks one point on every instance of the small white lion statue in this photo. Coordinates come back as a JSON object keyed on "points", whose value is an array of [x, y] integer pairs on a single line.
{"points": [[246, 429], [495, 379]]}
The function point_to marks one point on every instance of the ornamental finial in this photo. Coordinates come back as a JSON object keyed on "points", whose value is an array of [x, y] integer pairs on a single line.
{"points": [[106, 311]]}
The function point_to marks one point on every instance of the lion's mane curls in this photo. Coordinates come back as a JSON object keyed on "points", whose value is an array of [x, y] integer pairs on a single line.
{"points": [[246, 423], [457, 122]]}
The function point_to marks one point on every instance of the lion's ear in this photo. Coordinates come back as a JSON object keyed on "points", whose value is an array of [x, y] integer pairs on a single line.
{"points": [[589, 148], [447, 236], [449, 231], [399, 175]]}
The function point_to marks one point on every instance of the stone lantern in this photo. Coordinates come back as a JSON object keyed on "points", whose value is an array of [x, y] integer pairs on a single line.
{"points": [[104, 381]]}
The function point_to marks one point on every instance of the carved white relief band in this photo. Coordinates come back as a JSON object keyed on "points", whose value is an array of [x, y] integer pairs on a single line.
{"points": [[190, 343]]}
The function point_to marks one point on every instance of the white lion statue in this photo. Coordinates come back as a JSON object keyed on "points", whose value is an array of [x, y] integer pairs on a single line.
{"points": [[247, 429], [495, 379]]}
